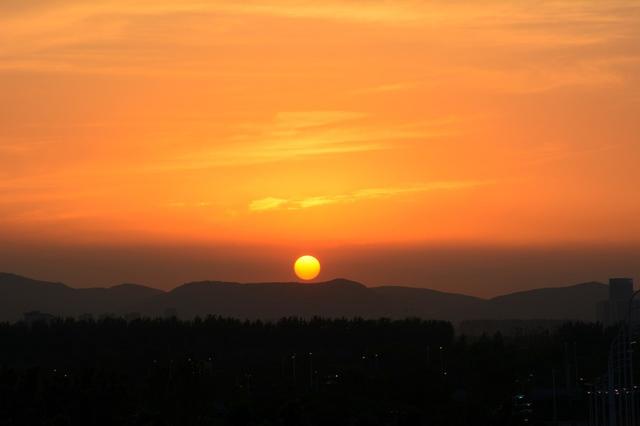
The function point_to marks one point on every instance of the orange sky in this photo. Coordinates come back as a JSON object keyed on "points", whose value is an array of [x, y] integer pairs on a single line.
{"points": [[314, 124]]}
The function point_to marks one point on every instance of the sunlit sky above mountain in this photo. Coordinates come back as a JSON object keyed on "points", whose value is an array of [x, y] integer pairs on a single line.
{"points": [[320, 123]]}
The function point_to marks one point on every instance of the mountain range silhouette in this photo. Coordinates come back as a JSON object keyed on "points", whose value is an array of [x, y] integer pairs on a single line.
{"points": [[274, 300]]}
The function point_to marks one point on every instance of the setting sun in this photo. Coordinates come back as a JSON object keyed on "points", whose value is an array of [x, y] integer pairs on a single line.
{"points": [[466, 170], [307, 267], [412, 142]]}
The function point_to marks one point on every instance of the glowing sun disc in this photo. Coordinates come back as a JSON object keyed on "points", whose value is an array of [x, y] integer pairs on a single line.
{"points": [[307, 267]]}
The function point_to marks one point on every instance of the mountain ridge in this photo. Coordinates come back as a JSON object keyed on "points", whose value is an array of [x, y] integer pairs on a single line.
{"points": [[338, 297]]}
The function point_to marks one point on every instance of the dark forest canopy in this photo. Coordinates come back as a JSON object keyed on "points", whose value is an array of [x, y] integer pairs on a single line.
{"points": [[289, 372]]}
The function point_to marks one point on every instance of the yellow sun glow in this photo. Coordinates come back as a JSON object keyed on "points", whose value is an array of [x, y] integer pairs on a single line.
{"points": [[307, 267]]}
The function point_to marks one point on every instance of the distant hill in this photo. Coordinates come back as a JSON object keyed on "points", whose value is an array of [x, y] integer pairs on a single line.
{"points": [[576, 302], [335, 298], [572, 302], [425, 303], [19, 295]]}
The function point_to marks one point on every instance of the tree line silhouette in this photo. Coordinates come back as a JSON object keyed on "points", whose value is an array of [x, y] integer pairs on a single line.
{"points": [[220, 371]]}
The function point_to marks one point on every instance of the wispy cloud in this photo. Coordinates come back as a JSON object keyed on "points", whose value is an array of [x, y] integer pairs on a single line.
{"points": [[291, 121], [385, 88], [77, 36], [553, 152], [268, 203], [275, 203], [295, 135]]}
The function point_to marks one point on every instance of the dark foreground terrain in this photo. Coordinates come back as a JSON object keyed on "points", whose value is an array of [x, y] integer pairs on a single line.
{"points": [[293, 372]]}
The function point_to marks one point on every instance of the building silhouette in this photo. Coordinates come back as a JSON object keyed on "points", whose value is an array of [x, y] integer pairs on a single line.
{"points": [[616, 308]]}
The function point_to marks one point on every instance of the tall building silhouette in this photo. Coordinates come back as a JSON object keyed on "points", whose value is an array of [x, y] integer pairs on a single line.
{"points": [[616, 309]]}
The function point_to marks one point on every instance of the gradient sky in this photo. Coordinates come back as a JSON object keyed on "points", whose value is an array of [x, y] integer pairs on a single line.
{"points": [[251, 131]]}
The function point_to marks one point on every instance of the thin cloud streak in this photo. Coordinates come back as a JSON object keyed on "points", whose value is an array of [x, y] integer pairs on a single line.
{"points": [[77, 36], [385, 88], [294, 135], [275, 203]]}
